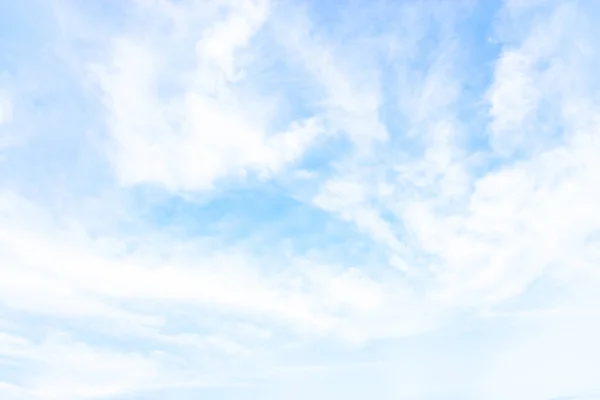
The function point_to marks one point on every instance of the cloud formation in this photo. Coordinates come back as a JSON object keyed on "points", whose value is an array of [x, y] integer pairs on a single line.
{"points": [[236, 199]]}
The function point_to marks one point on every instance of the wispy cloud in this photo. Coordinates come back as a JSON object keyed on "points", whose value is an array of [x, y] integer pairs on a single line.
{"points": [[388, 200]]}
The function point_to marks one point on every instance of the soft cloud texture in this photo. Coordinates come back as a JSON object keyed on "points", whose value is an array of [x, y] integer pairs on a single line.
{"points": [[258, 199]]}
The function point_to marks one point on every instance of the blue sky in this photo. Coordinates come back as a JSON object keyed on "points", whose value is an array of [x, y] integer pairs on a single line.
{"points": [[237, 199]]}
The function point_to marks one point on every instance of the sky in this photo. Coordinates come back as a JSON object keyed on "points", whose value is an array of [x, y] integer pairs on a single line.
{"points": [[283, 199]]}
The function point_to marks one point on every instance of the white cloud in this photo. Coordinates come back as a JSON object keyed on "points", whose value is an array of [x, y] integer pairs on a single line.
{"points": [[485, 238], [51, 276], [6, 117], [348, 198], [62, 368], [492, 248], [514, 97], [362, 193], [204, 132], [5, 108], [12, 392], [66, 278], [219, 43], [350, 96], [517, 4]]}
